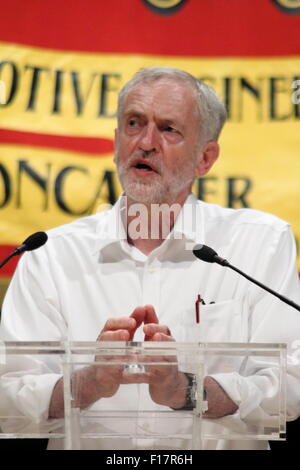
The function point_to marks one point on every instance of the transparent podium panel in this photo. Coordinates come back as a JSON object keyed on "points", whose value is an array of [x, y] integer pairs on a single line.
{"points": [[141, 395], [137, 415], [257, 374], [28, 374]]}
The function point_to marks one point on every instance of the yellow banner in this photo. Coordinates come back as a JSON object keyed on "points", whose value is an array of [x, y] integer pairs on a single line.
{"points": [[45, 188], [75, 94]]}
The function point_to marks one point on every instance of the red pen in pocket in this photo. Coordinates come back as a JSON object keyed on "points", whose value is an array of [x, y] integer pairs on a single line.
{"points": [[197, 305]]}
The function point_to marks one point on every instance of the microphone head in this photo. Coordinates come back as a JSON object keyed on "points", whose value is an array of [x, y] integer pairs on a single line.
{"points": [[205, 253], [34, 241]]}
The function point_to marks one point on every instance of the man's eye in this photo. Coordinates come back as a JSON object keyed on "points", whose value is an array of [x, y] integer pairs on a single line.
{"points": [[132, 122], [170, 129]]}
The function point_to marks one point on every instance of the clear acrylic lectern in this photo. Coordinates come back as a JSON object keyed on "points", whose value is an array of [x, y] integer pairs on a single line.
{"points": [[131, 418]]}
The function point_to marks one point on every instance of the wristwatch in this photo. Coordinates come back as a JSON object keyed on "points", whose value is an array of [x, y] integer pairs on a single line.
{"points": [[191, 398]]}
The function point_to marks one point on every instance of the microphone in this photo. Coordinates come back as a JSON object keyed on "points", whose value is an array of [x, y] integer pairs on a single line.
{"points": [[205, 253], [33, 242]]}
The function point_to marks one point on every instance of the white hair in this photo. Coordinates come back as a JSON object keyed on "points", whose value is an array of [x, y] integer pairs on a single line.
{"points": [[212, 111]]}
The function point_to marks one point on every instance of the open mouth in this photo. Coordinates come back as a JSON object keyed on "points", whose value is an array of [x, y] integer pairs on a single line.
{"points": [[143, 166]]}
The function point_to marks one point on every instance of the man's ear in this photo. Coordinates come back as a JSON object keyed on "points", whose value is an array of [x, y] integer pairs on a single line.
{"points": [[209, 155]]}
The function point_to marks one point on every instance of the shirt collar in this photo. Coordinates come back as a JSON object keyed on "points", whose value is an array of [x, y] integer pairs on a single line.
{"points": [[189, 224], [110, 228]]}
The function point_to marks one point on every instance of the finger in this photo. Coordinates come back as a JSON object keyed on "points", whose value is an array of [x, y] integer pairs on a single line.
{"points": [[139, 314], [153, 328], [161, 337], [120, 323], [150, 316], [118, 335]]}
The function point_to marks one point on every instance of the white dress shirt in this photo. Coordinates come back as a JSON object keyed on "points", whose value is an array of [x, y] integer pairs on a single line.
{"points": [[87, 273]]}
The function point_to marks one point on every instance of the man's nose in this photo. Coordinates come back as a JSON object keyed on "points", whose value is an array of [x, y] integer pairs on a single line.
{"points": [[149, 140]]}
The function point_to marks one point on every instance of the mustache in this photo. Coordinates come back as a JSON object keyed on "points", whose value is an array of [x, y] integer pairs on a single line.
{"points": [[148, 159]]}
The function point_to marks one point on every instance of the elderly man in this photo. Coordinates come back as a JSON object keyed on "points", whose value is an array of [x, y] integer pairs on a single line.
{"points": [[106, 273]]}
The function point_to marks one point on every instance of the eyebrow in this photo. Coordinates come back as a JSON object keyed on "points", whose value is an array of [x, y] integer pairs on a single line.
{"points": [[169, 122], [133, 112], [139, 114]]}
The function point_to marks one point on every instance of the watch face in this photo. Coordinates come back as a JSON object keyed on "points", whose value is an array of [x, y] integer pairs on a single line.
{"points": [[164, 7], [191, 393], [291, 7]]}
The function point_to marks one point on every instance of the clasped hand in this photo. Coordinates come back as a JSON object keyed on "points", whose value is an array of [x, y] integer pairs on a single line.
{"points": [[167, 385]]}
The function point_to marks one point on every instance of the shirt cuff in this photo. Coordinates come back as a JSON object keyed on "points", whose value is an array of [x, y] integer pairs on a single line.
{"points": [[242, 391], [27, 396]]}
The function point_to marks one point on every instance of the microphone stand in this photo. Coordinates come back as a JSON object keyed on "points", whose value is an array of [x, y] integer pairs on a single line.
{"points": [[7, 259], [271, 291]]}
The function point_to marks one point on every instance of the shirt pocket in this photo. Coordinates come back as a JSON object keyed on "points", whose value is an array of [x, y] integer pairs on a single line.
{"points": [[220, 322]]}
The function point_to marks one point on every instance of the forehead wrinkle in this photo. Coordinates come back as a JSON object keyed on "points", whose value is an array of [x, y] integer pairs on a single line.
{"points": [[161, 111], [148, 99]]}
